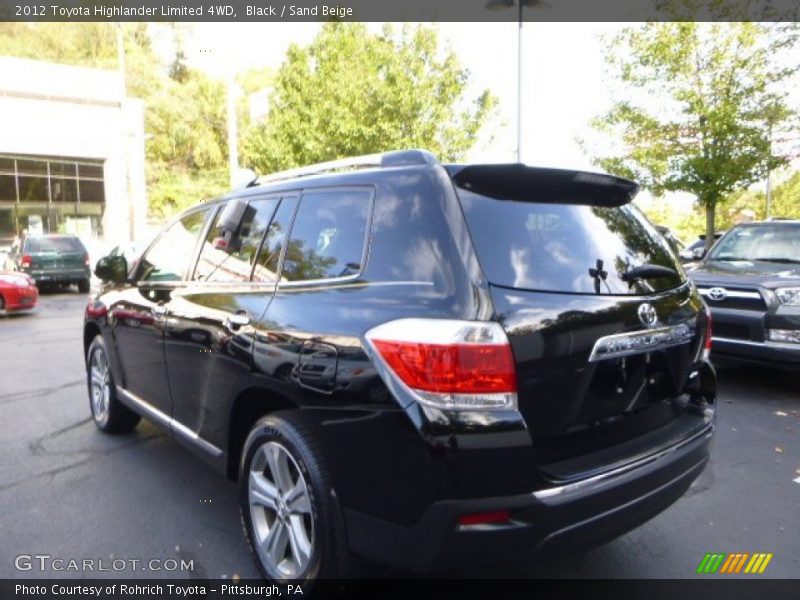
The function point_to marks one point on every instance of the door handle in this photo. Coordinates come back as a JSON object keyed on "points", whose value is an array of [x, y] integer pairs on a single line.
{"points": [[159, 310], [236, 321]]}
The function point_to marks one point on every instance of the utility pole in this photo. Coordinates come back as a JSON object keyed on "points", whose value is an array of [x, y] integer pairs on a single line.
{"points": [[233, 133], [769, 179]]}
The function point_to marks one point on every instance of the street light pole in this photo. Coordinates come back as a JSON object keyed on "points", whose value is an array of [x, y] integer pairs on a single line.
{"points": [[520, 4]]}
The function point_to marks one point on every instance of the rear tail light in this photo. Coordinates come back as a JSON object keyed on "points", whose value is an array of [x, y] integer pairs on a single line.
{"points": [[485, 518], [707, 350], [26, 260], [447, 364], [86, 259]]}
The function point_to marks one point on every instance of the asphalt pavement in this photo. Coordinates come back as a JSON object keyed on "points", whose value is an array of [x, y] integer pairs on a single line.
{"points": [[69, 492]]}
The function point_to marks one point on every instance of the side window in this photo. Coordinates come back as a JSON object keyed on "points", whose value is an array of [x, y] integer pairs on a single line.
{"points": [[169, 257], [267, 263], [328, 235], [229, 257]]}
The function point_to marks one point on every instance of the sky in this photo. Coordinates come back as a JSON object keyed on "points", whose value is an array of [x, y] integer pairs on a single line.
{"points": [[562, 64], [564, 80]]}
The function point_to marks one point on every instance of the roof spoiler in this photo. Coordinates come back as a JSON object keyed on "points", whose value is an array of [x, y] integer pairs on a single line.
{"points": [[532, 184]]}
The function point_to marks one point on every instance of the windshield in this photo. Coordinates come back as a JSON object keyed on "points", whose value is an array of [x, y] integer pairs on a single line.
{"points": [[53, 244], [574, 248], [765, 242]]}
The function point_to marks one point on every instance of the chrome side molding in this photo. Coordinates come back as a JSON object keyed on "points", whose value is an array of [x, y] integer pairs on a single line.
{"points": [[152, 413], [637, 342]]}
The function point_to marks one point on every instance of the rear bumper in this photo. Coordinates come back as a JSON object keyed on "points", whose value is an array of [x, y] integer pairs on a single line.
{"points": [[59, 276], [577, 515]]}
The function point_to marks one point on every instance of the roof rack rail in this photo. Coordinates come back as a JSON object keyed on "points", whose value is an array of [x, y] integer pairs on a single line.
{"points": [[398, 158]]}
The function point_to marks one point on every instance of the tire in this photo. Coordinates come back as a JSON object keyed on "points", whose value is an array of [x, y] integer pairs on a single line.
{"points": [[108, 413], [308, 530], [83, 286]]}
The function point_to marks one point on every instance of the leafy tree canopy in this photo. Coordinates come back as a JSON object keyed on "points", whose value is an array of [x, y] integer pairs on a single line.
{"points": [[352, 92], [702, 101]]}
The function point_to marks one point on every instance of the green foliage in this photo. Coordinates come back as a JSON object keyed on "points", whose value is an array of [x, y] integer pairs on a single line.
{"points": [[174, 188], [352, 92], [688, 225], [186, 123], [701, 102], [83, 44], [786, 198]]}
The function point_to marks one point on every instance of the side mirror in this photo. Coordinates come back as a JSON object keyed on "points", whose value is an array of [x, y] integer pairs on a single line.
{"points": [[112, 269], [698, 253]]}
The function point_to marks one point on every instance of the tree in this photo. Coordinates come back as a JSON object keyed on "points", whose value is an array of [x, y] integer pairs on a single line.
{"points": [[352, 92], [702, 102]]}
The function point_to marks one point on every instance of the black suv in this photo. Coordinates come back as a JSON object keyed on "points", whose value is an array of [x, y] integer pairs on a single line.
{"points": [[751, 281], [413, 363]]}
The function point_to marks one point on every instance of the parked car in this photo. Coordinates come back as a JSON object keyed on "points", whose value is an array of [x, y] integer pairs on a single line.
{"points": [[697, 249], [52, 259], [751, 282], [17, 292], [485, 360], [677, 245]]}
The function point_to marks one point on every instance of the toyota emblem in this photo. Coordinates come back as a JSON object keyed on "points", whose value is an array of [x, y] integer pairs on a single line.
{"points": [[647, 315], [717, 293]]}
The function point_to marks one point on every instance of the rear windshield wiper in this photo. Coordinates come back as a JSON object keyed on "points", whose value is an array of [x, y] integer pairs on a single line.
{"points": [[779, 259], [730, 258], [648, 271]]}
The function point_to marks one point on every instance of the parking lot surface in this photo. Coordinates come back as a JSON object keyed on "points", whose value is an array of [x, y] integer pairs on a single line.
{"points": [[70, 492]]}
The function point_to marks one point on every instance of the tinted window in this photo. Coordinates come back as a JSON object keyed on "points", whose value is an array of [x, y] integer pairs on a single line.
{"points": [[53, 244], [268, 257], [566, 247], [92, 191], [226, 257], [170, 255], [778, 242], [33, 189], [64, 190], [328, 235]]}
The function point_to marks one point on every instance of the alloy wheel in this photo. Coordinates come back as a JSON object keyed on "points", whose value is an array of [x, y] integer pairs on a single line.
{"points": [[100, 385], [280, 511]]}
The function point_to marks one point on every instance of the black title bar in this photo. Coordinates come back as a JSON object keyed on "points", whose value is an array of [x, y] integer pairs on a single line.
{"points": [[399, 10]]}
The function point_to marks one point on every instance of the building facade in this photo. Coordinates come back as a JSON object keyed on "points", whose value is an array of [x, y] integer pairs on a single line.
{"points": [[71, 153]]}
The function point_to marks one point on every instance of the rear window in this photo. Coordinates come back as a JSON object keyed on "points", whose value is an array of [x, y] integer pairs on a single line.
{"points": [[53, 244], [572, 248]]}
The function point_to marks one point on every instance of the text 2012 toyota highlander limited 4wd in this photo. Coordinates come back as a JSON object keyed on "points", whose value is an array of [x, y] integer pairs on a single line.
{"points": [[415, 363]]}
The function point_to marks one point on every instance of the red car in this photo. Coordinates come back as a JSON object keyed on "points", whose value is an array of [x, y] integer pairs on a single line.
{"points": [[17, 292]]}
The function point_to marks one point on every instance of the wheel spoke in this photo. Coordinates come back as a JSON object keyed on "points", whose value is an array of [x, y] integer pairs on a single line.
{"points": [[275, 542], [262, 491], [97, 378], [279, 468], [297, 499], [299, 542]]}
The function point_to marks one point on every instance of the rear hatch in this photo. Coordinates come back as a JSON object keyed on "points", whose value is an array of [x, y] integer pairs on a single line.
{"points": [[55, 253], [605, 329]]}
